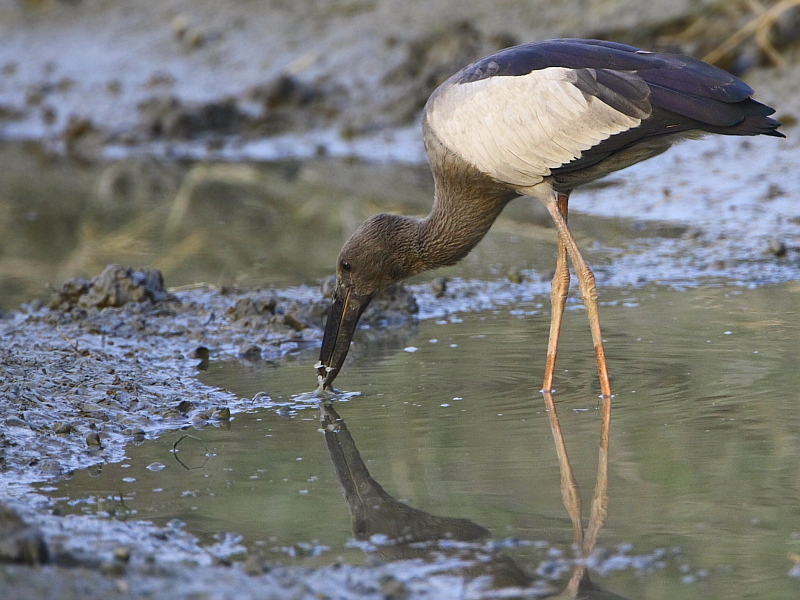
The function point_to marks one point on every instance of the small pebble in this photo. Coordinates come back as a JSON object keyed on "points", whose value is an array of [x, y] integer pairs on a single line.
{"points": [[254, 566], [122, 554], [222, 413], [439, 286], [185, 406], [777, 247], [63, 428], [200, 352], [293, 322], [514, 275]]}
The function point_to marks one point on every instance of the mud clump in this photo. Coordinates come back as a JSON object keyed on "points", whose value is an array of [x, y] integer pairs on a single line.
{"points": [[282, 104], [116, 286], [289, 104], [169, 118], [391, 307], [251, 311]]}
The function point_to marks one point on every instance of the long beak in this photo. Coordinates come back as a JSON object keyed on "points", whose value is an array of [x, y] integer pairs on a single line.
{"points": [[346, 309]]}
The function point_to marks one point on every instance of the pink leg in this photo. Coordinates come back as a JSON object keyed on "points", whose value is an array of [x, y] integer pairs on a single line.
{"points": [[559, 290], [588, 288]]}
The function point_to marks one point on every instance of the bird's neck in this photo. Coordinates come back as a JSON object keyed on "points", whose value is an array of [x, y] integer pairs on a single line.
{"points": [[460, 217], [466, 203]]}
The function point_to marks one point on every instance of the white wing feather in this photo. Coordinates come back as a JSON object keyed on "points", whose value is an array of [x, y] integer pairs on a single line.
{"points": [[517, 128]]}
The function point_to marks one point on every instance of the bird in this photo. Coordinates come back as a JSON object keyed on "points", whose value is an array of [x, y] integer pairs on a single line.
{"points": [[539, 120]]}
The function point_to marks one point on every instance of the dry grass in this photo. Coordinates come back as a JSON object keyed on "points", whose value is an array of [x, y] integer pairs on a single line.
{"points": [[760, 28]]}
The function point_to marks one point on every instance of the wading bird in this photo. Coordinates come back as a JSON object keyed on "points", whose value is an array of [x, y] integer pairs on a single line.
{"points": [[538, 120]]}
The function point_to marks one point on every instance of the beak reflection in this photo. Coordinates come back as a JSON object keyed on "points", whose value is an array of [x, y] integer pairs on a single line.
{"points": [[410, 533], [346, 309]]}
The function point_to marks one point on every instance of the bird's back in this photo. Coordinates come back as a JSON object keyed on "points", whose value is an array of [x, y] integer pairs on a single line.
{"points": [[574, 110]]}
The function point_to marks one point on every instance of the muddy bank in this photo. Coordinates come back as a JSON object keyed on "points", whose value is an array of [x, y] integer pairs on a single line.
{"points": [[112, 360]]}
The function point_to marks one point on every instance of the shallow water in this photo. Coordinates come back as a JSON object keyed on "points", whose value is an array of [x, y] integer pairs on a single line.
{"points": [[704, 481]]}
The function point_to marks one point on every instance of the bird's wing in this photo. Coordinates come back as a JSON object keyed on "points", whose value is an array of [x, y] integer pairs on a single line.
{"points": [[562, 106], [517, 128]]}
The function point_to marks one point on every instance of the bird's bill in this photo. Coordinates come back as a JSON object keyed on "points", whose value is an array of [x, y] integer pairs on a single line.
{"points": [[346, 309]]}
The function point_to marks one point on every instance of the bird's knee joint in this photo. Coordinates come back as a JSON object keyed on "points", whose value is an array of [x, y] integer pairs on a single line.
{"points": [[589, 290], [560, 281]]}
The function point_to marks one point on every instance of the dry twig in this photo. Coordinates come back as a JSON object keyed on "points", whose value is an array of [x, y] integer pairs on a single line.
{"points": [[759, 27]]}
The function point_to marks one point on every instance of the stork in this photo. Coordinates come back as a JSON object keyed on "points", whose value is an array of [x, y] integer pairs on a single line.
{"points": [[538, 120]]}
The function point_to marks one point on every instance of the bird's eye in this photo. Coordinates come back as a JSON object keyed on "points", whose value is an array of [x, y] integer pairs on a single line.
{"points": [[346, 266]]}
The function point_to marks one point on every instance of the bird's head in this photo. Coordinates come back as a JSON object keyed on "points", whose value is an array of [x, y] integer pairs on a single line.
{"points": [[382, 251]]}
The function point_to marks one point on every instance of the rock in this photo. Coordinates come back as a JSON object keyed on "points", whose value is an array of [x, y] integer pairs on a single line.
{"points": [[20, 542], [777, 247]]}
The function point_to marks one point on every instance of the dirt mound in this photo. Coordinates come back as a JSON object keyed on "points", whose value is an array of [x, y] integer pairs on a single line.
{"points": [[114, 287]]}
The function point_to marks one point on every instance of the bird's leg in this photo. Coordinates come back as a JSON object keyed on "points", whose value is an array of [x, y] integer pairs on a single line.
{"points": [[559, 290], [588, 289]]}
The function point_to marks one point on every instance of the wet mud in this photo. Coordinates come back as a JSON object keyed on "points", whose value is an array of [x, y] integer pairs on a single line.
{"points": [[103, 363]]}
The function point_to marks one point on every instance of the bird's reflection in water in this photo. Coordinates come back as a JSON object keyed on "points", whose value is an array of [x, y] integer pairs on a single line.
{"points": [[459, 545], [580, 584]]}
